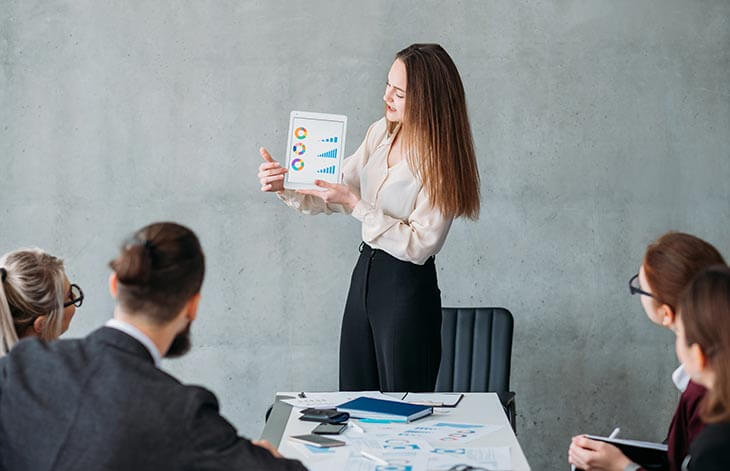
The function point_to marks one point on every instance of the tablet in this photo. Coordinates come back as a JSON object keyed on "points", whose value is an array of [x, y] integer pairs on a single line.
{"points": [[314, 149]]}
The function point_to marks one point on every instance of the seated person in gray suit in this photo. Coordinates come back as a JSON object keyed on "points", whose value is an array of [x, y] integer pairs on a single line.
{"points": [[102, 403]]}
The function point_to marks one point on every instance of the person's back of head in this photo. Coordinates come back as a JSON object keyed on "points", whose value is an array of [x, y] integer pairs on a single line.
{"points": [[159, 270], [32, 297]]}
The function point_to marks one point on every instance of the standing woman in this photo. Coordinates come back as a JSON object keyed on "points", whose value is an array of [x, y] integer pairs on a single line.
{"points": [[36, 297], [414, 173]]}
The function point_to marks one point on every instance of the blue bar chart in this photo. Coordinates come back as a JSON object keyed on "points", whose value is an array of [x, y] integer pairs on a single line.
{"points": [[327, 170], [330, 154], [330, 139]]}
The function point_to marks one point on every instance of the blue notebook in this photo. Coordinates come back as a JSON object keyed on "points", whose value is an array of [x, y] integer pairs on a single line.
{"points": [[369, 408]]}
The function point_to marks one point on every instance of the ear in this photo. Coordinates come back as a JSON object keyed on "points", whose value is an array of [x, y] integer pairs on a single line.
{"points": [[113, 285], [192, 307], [667, 315], [38, 324]]}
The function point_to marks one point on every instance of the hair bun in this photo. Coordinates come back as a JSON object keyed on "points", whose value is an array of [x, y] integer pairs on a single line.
{"points": [[134, 265]]}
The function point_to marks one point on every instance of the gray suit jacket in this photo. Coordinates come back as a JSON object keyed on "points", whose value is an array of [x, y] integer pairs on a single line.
{"points": [[99, 403]]}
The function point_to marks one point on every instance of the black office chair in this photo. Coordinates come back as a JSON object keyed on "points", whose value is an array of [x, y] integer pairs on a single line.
{"points": [[476, 353]]}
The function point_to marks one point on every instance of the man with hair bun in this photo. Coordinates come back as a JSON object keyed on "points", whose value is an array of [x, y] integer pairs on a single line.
{"points": [[102, 403]]}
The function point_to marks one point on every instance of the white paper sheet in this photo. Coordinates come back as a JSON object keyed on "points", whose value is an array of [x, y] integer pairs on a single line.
{"points": [[390, 443], [492, 458], [326, 400], [449, 434], [398, 460]]}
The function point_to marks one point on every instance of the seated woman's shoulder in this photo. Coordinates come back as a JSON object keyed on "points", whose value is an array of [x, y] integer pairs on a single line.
{"points": [[711, 449]]}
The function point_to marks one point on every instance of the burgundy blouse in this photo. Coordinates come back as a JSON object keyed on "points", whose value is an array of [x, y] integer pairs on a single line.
{"points": [[686, 425]]}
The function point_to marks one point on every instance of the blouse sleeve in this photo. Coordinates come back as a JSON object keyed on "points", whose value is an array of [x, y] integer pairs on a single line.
{"points": [[351, 169], [414, 240]]}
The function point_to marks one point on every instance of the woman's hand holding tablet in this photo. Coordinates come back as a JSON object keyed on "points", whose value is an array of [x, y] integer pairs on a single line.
{"points": [[337, 193]]}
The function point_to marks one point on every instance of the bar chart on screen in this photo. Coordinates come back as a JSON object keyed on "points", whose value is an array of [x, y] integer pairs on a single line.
{"points": [[327, 170]]}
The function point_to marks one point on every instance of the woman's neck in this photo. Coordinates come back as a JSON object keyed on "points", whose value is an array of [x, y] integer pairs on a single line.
{"points": [[706, 378]]}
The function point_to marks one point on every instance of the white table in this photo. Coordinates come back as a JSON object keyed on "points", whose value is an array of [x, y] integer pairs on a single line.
{"points": [[476, 408]]}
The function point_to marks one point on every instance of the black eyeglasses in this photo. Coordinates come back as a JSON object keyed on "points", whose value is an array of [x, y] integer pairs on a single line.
{"points": [[635, 288], [465, 467], [76, 296]]}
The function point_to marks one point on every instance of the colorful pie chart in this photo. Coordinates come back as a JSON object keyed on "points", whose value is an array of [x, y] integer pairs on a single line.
{"points": [[299, 148], [300, 133], [297, 164]]}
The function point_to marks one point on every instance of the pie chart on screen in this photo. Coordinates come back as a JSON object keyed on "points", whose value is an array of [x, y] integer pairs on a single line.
{"points": [[300, 133], [299, 148]]}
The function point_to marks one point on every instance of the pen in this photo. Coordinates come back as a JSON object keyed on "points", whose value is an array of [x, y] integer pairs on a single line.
{"points": [[377, 459]]}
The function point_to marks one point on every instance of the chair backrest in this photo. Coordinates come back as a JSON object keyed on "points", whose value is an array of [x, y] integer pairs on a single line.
{"points": [[476, 350]]}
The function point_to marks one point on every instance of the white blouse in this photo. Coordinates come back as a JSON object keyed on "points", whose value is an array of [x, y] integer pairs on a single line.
{"points": [[394, 209]]}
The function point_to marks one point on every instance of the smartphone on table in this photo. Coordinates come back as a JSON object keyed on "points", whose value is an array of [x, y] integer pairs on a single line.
{"points": [[329, 429]]}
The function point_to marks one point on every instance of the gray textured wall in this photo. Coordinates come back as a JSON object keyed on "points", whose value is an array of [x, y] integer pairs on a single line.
{"points": [[599, 125]]}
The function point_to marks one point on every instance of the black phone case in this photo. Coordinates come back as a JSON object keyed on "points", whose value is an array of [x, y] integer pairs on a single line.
{"points": [[324, 415]]}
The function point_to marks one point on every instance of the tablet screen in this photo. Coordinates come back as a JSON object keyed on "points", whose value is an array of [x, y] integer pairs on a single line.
{"points": [[315, 149]]}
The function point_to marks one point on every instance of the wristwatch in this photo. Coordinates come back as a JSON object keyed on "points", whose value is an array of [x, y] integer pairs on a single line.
{"points": [[632, 467]]}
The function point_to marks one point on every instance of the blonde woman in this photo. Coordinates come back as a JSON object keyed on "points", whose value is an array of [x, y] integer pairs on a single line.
{"points": [[415, 172], [36, 297]]}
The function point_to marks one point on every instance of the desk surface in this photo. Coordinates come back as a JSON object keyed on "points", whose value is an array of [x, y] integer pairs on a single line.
{"points": [[480, 408]]}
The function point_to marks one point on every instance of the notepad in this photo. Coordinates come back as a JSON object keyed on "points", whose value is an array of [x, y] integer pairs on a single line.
{"points": [[649, 455], [369, 408]]}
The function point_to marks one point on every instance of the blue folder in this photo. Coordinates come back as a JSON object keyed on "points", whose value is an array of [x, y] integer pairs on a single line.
{"points": [[369, 408]]}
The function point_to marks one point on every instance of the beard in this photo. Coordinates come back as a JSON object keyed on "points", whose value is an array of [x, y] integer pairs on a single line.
{"points": [[180, 344]]}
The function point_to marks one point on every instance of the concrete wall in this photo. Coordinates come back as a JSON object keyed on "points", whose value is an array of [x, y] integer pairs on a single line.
{"points": [[599, 125]]}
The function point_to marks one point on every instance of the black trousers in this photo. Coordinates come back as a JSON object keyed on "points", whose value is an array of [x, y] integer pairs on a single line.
{"points": [[391, 330]]}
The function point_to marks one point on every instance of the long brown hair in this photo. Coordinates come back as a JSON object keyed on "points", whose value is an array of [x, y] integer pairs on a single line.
{"points": [[673, 260], [705, 313], [159, 269], [436, 131]]}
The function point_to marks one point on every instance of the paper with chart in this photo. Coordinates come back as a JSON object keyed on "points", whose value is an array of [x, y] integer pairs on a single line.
{"points": [[388, 444], [397, 461], [493, 458], [448, 434], [324, 459], [401, 454]]}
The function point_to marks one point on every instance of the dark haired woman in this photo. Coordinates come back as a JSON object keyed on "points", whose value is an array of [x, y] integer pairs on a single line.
{"points": [[414, 173], [703, 346], [669, 265]]}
